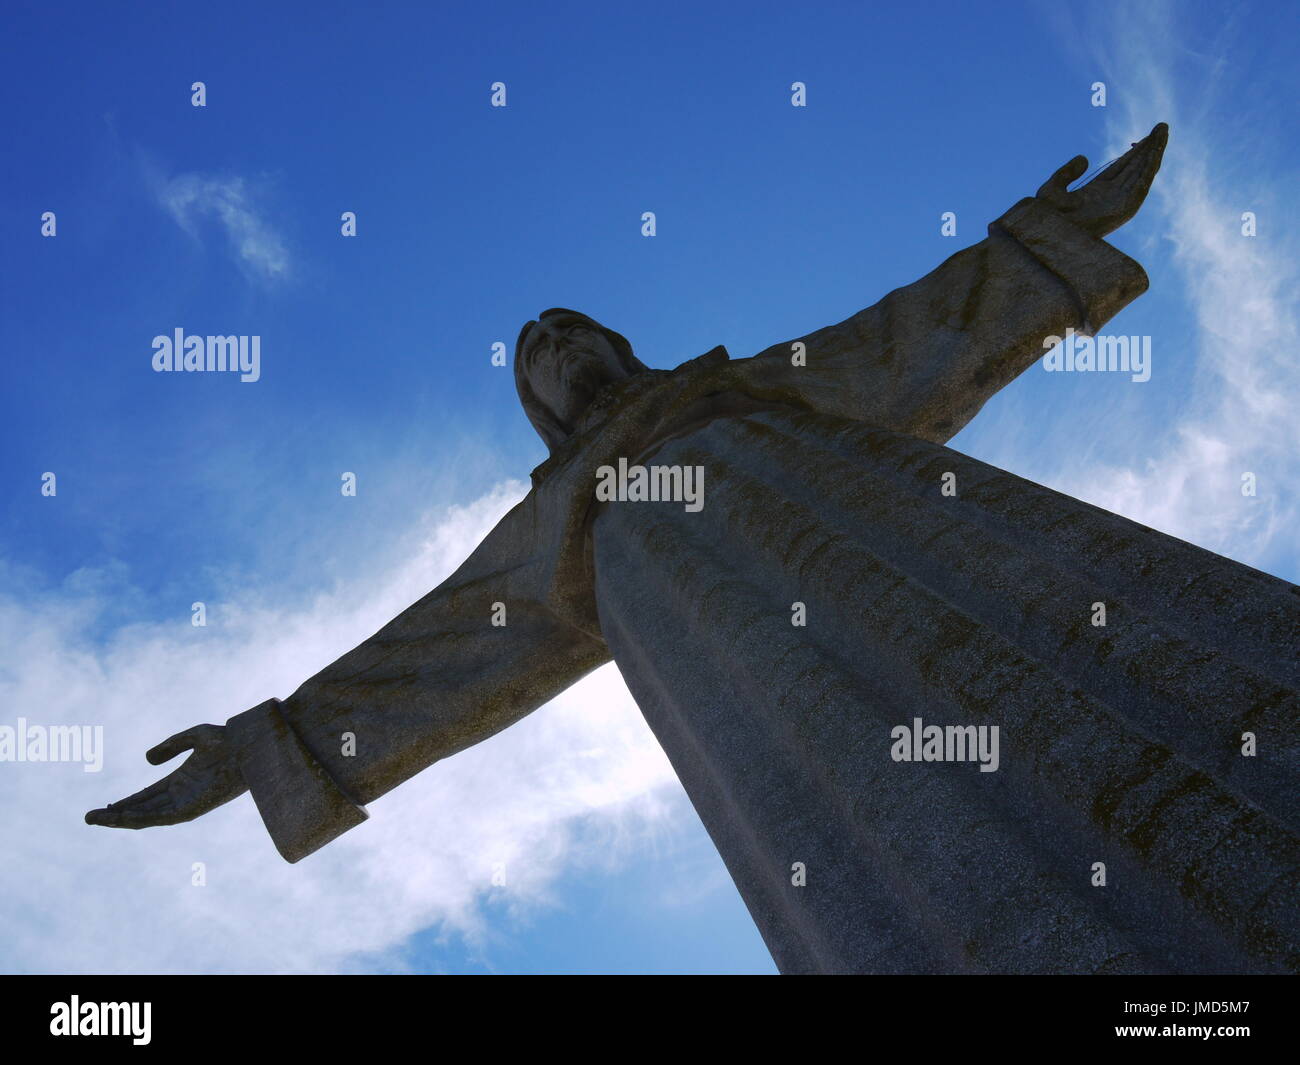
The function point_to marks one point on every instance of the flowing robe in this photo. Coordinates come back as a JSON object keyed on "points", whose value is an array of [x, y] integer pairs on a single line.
{"points": [[1119, 744]]}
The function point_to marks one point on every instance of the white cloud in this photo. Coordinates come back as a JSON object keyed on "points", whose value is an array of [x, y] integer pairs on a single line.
{"points": [[1243, 293], [580, 783], [190, 197]]}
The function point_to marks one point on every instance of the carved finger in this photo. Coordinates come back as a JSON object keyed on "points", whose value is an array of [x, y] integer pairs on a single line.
{"points": [[1143, 173], [1120, 167], [1136, 160], [156, 810], [1071, 171], [182, 741], [158, 814]]}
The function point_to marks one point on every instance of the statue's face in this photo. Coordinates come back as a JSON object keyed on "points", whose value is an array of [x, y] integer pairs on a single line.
{"points": [[567, 360]]}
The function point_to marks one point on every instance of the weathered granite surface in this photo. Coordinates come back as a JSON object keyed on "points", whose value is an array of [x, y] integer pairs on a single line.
{"points": [[1118, 744]]}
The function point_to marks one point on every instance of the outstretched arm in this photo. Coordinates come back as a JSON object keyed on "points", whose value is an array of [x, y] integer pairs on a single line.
{"points": [[438, 678], [926, 358]]}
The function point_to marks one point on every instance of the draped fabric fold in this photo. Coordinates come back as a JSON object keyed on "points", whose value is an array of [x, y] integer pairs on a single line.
{"points": [[1120, 744]]}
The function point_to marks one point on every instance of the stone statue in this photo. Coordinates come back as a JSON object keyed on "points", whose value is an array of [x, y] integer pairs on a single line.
{"points": [[847, 577]]}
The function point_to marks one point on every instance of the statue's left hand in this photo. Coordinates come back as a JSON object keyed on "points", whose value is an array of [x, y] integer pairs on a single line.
{"points": [[1113, 196], [205, 780]]}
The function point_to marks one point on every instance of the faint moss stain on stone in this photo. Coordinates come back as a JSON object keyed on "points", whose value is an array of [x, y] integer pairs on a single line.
{"points": [[1106, 804], [1153, 826]]}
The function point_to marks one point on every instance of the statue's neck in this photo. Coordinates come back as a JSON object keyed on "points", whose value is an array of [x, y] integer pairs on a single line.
{"points": [[615, 398]]}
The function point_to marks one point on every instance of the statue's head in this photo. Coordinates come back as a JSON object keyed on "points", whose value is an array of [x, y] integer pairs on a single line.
{"points": [[561, 361]]}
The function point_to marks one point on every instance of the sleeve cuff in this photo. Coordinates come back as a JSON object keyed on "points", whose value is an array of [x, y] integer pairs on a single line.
{"points": [[301, 805], [1103, 279]]}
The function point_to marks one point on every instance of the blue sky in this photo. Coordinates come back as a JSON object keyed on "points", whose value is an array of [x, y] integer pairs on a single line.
{"points": [[771, 221]]}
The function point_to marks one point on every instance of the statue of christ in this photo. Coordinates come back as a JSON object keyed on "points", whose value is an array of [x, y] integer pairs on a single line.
{"points": [[845, 576]]}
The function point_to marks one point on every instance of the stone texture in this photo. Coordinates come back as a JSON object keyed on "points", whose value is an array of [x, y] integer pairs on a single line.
{"points": [[1119, 744]]}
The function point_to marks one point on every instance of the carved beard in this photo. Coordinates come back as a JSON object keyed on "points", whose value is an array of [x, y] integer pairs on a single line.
{"points": [[583, 366], [584, 374]]}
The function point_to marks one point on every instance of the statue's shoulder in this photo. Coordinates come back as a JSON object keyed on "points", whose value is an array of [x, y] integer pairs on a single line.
{"points": [[712, 357]]}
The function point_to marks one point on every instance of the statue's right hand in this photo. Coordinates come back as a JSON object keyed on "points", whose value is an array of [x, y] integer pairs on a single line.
{"points": [[206, 779], [1113, 197]]}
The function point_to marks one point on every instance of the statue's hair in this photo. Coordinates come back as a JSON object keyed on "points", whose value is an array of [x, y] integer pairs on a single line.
{"points": [[547, 423]]}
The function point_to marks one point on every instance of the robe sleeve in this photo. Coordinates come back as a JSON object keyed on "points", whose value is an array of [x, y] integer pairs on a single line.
{"points": [[927, 357], [438, 678]]}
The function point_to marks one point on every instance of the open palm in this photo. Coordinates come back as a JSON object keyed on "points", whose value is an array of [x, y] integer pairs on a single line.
{"points": [[205, 780], [1113, 196]]}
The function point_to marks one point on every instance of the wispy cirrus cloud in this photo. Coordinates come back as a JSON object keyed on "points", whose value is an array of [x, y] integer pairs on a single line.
{"points": [[580, 784], [191, 198], [1239, 417]]}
